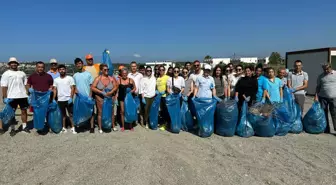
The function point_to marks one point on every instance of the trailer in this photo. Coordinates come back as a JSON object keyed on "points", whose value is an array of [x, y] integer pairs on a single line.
{"points": [[311, 61]]}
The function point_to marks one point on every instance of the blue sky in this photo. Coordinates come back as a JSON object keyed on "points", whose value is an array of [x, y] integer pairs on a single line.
{"points": [[157, 30]]}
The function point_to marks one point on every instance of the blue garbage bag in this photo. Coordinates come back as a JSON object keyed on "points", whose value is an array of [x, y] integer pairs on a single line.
{"points": [[40, 104], [137, 101], [130, 108], [107, 110], [226, 118], [55, 119], [314, 122], [244, 128], [7, 114], [289, 102], [263, 124], [187, 121], [297, 126], [205, 113], [106, 59], [280, 118], [174, 110], [83, 109], [154, 112]]}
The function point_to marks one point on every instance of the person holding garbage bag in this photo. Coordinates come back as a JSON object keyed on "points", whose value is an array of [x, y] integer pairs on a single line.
{"points": [[221, 85], [83, 105], [104, 88], [272, 88], [161, 86], [124, 84], [205, 101], [40, 86], [175, 88], [147, 91], [326, 94]]}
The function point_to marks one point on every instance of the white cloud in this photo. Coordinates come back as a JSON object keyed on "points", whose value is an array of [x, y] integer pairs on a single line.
{"points": [[137, 55]]}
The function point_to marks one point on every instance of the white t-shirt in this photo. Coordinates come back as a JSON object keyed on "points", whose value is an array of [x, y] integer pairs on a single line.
{"points": [[179, 83], [194, 76], [136, 78], [147, 86], [64, 86], [16, 82]]}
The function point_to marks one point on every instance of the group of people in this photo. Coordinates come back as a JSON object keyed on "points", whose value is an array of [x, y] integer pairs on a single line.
{"points": [[250, 84]]}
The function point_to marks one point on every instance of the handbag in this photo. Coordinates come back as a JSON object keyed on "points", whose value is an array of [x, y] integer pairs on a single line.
{"points": [[175, 89]]}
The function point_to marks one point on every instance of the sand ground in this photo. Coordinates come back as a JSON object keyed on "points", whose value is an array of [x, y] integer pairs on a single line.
{"points": [[147, 157]]}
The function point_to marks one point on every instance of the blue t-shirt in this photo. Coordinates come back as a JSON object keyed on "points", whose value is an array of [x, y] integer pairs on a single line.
{"points": [[83, 81], [273, 89], [260, 92], [205, 86], [54, 75]]}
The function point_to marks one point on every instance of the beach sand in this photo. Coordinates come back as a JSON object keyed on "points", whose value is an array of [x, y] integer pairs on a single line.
{"points": [[146, 157]]}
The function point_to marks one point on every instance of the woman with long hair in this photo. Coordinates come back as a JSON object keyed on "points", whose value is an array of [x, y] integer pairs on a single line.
{"points": [[221, 85], [246, 88]]}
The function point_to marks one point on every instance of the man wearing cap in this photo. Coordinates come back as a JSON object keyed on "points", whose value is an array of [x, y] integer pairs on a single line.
{"points": [[91, 67], [136, 76], [326, 94], [205, 84], [14, 92], [53, 69]]}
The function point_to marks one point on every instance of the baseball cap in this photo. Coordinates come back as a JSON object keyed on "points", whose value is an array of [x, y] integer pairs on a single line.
{"points": [[88, 57], [207, 67], [12, 59], [53, 61], [121, 67]]}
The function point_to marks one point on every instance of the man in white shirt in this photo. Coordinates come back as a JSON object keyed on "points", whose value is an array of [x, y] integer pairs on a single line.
{"points": [[197, 72], [147, 91], [64, 88], [14, 92], [136, 76]]}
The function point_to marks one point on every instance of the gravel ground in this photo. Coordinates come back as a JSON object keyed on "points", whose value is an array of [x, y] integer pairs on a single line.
{"points": [[147, 157]]}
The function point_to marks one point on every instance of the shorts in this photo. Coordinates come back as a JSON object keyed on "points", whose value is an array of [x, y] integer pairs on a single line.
{"points": [[22, 102], [64, 106]]}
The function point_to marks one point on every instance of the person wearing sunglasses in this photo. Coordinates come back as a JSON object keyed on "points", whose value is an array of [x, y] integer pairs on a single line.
{"points": [[104, 86], [147, 91], [161, 86], [233, 79], [326, 94], [197, 71], [53, 69], [136, 76], [175, 84], [221, 85], [189, 84]]}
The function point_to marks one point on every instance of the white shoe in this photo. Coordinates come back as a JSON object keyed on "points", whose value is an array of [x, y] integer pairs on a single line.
{"points": [[64, 130], [73, 131], [115, 129], [100, 131]]}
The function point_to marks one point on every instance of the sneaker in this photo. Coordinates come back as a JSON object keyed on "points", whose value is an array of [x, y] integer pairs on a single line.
{"points": [[26, 130], [91, 130], [100, 131], [64, 130], [114, 129], [122, 129], [12, 133], [163, 128], [132, 129], [73, 131], [147, 127], [2, 131]]}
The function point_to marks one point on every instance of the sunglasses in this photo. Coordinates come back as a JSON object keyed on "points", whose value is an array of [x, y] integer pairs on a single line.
{"points": [[54, 64], [176, 71], [239, 69], [162, 70], [105, 69], [197, 65], [149, 70], [186, 72]]}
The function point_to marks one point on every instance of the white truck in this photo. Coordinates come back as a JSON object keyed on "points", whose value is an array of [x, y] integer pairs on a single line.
{"points": [[311, 61]]}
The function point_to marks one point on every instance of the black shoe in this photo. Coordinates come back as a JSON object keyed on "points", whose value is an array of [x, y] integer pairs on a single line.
{"points": [[26, 130], [2, 131], [91, 130], [12, 133]]}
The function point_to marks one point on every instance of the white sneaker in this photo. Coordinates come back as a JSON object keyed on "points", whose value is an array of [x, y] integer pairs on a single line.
{"points": [[100, 131], [64, 130], [115, 129], [73, 131]]}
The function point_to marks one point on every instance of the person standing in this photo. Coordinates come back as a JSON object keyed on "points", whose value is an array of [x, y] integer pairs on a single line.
{"points": [[326, 94], [64, 88], [272, 88], [161, 86], [142, 70], [156, 71], [14, 92], [189, 84], [91, 67], [197, 71], [124, 83], [53, 69], [104, 86], [246, 88], [261, 80], [282, 76], [221, 85], [147, 92], [40, 80], [298, 82], [188, 66], [234, 77], [205, 84], [136, 76], [83, 81], [170, 72], [175, 85]]}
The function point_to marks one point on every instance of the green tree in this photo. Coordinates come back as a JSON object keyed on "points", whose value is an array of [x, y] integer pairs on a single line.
{"points": [[275, 58], [207, 57]]}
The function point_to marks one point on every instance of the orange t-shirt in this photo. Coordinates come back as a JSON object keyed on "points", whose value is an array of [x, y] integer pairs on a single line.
{"points": [[93, 70]]}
